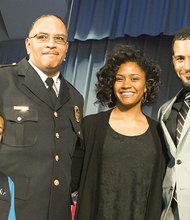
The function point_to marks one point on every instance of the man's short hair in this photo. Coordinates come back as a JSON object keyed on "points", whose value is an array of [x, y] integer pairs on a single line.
{"points": [[183, 34]]}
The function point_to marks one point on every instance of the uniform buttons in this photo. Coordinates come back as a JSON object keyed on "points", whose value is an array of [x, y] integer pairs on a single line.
{"points": [[179, 162], [19, 118], [57, 135], [56, 114], [57, 157], [78, 132], [56, 182]]}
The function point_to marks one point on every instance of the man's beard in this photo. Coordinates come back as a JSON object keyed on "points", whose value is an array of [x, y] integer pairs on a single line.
{"points": [[186, 84]]}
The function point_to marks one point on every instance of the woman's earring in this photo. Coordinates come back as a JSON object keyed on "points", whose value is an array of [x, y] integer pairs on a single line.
{"points": [[110, 98], [144, 98]]}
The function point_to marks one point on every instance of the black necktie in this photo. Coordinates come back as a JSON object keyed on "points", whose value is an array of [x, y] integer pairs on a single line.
{"points": [[49, 82], [182, 116]]}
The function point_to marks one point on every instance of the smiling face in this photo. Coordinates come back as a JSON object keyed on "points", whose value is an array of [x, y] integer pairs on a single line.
{"points": [[130, 85], [47, 55], [181, 60]]}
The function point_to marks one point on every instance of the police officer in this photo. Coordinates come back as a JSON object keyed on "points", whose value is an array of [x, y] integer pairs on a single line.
{"points": [[42, 124]]}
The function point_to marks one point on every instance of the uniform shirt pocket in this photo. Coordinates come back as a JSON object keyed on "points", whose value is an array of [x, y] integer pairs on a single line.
{"points": [[20, 127]]}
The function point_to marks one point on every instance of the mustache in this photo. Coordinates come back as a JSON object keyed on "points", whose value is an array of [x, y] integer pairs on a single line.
{"points": [[50, 52]]}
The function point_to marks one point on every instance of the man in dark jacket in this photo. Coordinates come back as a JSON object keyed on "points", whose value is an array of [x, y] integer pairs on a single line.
{"points": [[42, 124]]}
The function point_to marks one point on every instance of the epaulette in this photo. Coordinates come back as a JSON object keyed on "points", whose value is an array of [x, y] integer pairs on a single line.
{"points": [[6, 65]]}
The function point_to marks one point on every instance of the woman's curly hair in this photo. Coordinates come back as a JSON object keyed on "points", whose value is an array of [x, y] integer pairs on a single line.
{"points": [[107, 74]]}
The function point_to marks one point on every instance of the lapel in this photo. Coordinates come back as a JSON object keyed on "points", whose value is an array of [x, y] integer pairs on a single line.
{"points": [[102, 123], [64, 94], [30, 82], [185, 132], [165, 113], [33, 83]]}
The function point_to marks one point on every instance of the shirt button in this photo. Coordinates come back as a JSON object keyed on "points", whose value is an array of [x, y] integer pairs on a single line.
{"points": [[19, 118], [57, 135], [179, 162], [56, 182], [57, 157], [78, 132], [56, 114]]}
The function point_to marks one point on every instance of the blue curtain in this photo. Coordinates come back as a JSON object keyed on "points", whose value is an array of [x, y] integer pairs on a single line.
{"points": [[96, 26], [11, 51], [99, 19]]}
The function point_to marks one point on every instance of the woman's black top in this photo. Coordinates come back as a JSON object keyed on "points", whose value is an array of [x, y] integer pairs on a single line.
{"points": [[126, 173]]}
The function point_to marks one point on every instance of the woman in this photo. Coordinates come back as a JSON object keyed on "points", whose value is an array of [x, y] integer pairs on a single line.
{"points": [[124, 161]]}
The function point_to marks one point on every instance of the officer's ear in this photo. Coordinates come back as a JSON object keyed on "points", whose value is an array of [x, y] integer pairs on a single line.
{"points": [[27, 45]]}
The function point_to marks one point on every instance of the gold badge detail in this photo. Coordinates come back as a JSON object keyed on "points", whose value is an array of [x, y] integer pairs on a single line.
{"points": [[77, 113]]}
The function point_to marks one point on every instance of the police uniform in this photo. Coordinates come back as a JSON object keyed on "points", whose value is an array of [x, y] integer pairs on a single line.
{"points": [[39, 142]]}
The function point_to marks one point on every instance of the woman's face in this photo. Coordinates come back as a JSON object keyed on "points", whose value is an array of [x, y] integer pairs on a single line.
{"points": [[130, 85]]}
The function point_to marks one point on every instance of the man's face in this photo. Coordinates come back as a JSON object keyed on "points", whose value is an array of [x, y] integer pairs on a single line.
{"points": [[47, 54], [181, 60], [1, 127]]}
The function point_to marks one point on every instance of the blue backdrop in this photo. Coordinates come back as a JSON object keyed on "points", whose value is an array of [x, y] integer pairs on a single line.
{"points": [[95, 27]]}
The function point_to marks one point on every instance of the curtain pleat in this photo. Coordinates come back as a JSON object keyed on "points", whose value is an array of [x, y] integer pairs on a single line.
{"points": [[99, 19]]}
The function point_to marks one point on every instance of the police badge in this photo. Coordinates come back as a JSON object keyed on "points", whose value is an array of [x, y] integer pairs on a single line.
{"points": [[77, 113]]}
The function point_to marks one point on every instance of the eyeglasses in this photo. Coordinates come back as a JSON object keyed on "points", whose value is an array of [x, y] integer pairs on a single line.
{"points": [[43, 38]]}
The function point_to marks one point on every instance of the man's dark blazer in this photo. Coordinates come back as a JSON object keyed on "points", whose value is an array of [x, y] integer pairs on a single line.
{"points": [[39, 142]]}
